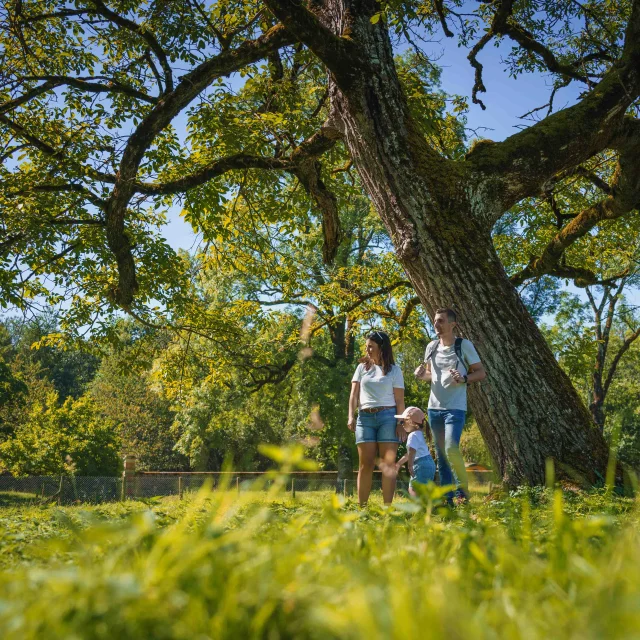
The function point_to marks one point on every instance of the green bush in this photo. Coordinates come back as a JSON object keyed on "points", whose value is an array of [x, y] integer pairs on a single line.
{"points": [[55, 439], [473, 447]]}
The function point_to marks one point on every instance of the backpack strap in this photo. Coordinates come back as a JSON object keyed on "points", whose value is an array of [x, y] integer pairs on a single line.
{"points": [[458, 349], [431, 350], [457, 345]]}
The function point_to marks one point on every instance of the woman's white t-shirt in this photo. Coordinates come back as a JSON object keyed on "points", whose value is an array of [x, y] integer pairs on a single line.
{"points": [[376, 389], [416, 441]]}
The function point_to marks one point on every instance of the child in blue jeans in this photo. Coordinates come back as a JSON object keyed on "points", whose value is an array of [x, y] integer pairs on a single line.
{"points": [[421, 466]]}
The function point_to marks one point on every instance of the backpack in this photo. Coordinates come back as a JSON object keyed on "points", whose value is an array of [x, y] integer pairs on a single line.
{"points": [[457, 345]]}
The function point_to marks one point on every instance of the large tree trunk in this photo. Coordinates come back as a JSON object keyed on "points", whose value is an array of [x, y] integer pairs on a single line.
{"points": [[527, 410], [439, 214]]}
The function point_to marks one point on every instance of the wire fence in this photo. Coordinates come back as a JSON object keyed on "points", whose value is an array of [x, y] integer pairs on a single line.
{"points": [[143, 485], [62, 489]]}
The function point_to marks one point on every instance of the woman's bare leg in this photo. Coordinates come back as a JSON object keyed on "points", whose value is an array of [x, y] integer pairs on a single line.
{"points": [[367, 455]]}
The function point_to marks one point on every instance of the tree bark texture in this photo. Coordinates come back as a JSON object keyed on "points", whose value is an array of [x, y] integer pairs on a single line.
{"points": [[439, 217]]}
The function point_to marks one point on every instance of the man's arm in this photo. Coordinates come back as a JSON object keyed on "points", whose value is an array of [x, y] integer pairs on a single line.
{"points": [[423, 372], [476, 373], [475, 370]]}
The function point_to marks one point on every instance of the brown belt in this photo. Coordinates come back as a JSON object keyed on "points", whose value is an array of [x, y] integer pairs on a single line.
{"points": [[375, 409]]}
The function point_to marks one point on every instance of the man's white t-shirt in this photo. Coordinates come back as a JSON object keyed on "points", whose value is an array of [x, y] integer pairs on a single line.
{"points": [[416, 441], [376, 389], [445, 393]]}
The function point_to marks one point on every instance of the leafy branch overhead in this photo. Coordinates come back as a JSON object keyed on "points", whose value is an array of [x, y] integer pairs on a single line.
{"points": [[111, 113]]}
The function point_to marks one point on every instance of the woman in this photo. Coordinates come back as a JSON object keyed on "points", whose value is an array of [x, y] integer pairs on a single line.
{"points": [[377, 391]]}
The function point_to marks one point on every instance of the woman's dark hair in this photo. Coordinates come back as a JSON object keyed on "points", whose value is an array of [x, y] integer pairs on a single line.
{"points": [[386, 352]]}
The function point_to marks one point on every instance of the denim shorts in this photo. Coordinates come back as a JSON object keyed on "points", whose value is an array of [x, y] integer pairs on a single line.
{"points": [[376, 427], [424, 470]]}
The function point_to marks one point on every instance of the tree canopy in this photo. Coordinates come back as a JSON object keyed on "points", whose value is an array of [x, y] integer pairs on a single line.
{"points": [[112, 112]]}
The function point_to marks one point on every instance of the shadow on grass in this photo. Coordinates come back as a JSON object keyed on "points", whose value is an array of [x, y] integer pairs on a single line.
{"points": [[16, 498]]}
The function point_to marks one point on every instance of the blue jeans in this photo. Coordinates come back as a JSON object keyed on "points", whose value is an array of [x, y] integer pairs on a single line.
{"points": [[376, 427], [446, 426], [424, 470]]}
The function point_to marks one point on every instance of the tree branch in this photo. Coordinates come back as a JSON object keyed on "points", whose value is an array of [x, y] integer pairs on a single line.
{"points": [[505, 27], [308, 172], [11, 150], [224, 44], [340, 54], [501, 25], [519, 166], [499, 18], [65, 13], [112, 86], [74, 221], [561, 218], [57, 256], [152, 124], [9, 241], [309, 150], [20, 131], [594, 178], [146, 35], [217, 168], [606, 332], [478, 85], [61, 188], [616, 360], [581, 277], [440, 11], [29, 95], [363, 298], [412, 303], [610, 208]]}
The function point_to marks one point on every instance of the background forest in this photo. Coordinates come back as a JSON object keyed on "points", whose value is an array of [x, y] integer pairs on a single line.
{"points": [[272, 373]]}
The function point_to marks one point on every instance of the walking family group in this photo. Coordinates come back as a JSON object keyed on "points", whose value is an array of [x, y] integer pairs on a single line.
{"points": [[382, 422]]}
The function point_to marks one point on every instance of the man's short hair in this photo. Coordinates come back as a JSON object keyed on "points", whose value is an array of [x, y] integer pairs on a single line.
{"points": [[451, 314]]}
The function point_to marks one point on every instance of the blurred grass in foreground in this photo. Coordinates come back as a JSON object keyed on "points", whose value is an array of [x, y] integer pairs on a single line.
{"points": [[530, 564]]}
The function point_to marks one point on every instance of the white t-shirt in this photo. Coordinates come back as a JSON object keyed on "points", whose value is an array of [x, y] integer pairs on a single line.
{"points": [[376, 389], [445, 393], [416, 441]]}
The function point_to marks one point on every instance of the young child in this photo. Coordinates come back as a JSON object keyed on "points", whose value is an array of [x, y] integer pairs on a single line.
{"points": [[421, 466]]}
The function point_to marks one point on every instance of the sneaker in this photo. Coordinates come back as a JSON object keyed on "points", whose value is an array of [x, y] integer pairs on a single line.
{"points": [[461, 499]]}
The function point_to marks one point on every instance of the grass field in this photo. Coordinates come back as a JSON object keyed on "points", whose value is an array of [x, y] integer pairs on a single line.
{"points": [[530, 564]]}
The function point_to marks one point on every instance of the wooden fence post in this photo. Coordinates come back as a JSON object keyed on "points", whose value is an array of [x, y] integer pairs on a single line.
{"points": [[180, 486], [128, 485], [293, 487]]}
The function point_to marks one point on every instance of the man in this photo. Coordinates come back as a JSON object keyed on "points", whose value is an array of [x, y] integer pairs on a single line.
{"points": [[450, 365]]}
